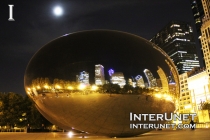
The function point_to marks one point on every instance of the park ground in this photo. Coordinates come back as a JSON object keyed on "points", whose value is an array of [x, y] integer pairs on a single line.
{"points": [[187, 134]]}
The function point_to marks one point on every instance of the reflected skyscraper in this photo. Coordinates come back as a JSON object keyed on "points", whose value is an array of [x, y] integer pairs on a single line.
{"points": [[118, 78], [83, 77], [132, 82], [99, 75], [139, 81], [151, 80], [163, 79], [111, 71]]}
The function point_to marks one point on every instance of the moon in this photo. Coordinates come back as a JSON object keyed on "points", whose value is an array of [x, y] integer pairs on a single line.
{"points": [[58, 11]]}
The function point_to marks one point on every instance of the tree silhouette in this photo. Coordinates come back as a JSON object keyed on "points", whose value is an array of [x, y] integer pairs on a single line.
{"points": [[18, 110], [111, 88], [11, 109]]}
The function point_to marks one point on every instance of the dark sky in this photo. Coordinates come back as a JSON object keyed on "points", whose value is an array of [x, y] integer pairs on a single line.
{"points": [[35, 25]]}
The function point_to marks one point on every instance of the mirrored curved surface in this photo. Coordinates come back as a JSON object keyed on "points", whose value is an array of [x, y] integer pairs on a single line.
{"points": [[92, 80]]}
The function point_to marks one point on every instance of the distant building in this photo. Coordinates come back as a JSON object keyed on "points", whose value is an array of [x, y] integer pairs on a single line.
{"points": [[111, 71], [194, 91], [198, 14], [99, 75], [151, 80], [118, 78], [140, 81], [83, 77], [159, 83], [185, 97], [198, 86], [177, 40], [170, 79], [205, 34], [146, 85], [172, 88], [163, 80], [130, 82]]}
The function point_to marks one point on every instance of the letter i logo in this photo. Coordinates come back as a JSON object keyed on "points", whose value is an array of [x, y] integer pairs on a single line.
{"points": [[11, 13]]}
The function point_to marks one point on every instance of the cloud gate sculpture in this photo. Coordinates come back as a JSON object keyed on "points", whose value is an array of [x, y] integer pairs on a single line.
{"points": [[92, 81]]}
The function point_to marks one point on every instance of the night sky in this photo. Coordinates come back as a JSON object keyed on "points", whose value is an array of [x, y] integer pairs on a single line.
{"points": [[35, 25]]}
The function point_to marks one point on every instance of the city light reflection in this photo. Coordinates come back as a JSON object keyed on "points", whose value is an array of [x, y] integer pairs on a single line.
{"points": [[164, 96], [81, 87], [70, 88], [94, 87], [70, 134]]}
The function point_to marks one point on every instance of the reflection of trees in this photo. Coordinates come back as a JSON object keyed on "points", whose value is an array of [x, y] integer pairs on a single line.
{"points": [[44, 85], [111, 88], [40, 82], [41, 85], [127, 89]]}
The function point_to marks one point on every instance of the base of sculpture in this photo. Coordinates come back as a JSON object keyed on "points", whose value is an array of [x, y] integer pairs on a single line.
{"points": [[100, 113]]}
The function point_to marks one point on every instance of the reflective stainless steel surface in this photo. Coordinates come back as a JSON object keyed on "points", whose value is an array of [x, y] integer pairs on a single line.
{"points": [[51, 81]]}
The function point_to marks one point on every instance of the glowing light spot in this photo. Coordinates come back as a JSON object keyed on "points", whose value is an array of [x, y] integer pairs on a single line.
{"points": [[70, 134], [94, 87], [81, 87], [58, 11]]}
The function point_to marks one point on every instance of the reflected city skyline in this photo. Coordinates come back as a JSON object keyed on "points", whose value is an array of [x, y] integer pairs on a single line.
{"points": [[67, 78]]}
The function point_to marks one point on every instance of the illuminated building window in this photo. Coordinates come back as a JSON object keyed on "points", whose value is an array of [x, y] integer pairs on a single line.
{"points": [[183, 43], [99, 75], [151, 80], [118, 78], [83, 77]]}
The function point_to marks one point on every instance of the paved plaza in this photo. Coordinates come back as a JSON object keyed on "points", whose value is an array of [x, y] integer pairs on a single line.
{"points": [[198, 134]]}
